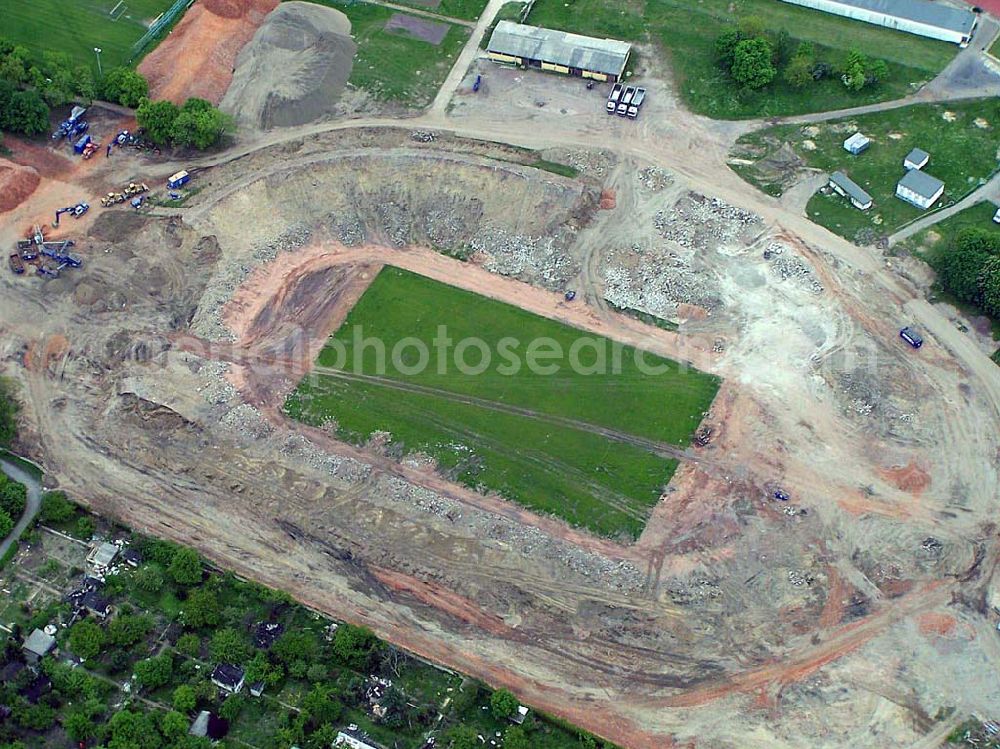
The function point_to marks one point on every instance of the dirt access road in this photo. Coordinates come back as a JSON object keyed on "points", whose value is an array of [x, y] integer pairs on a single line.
{"points": [[153, 382]]}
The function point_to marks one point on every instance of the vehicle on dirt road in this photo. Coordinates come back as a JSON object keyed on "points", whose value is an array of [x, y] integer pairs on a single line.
{"points": [[626, 101], [912, 337], [613, 98], [16, 264]]}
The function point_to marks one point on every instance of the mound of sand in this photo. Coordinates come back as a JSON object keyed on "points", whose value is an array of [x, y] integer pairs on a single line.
{"points": [[294, 69], [198, 56], [16, 184]]}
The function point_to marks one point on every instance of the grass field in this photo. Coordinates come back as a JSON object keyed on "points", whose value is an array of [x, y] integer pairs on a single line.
{"points": [[77, 26], [395, 66], [687, 30], [526, 435], [467, 10]]}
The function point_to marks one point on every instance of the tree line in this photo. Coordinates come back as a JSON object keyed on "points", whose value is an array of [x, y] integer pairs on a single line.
{"points": [[31, 86], [755, 58], [970, 269]]}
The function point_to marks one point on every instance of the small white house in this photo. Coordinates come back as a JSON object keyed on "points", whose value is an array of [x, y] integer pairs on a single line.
{"points": [[916, 159], [844, 185], [919, 188], [996, 217], [856, 144]]}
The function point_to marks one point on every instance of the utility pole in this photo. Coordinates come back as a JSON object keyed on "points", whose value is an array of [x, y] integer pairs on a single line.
{"points": [[97, 51]]}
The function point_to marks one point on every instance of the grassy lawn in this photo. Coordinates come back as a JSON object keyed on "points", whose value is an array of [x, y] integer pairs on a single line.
{"points": [[963, 154], [532, 456], [995, 49], [467, 10], [687, 31], [396, 66], [77, 26]]}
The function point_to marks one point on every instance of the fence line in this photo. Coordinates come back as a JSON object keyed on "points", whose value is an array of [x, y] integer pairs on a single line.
{"points": [[165, 19]]}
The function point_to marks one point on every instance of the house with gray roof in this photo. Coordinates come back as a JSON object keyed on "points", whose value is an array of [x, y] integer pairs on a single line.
{"points": [[919, 188], [921, 17], [844, 185], [559, 51], [38, 645]]}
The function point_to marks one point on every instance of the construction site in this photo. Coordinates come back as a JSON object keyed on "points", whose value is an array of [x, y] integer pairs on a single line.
{"points": [[821, 569]]}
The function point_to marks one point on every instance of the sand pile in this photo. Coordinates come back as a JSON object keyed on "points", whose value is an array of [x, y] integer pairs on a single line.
{"points": [[16, 184], [294, 69], [198, 56]]}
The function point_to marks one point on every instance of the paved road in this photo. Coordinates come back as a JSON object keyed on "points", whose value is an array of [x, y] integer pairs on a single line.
{"points": [[34, 501]]}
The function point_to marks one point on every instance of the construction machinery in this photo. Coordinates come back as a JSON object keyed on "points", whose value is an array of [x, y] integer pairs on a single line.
{"points": [[72, 126], [90, 149], [613, 98], [137, 201], [48, 270], [16, 264], [637, 99], [131, 189], [82, 143], [59, 251], [74, 210], [35, 246]]}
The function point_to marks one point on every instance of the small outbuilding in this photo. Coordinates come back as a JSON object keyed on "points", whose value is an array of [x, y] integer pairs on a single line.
{"points": [[856, 144], [919, 188], [37, 646], [102, 555], [996, 217], [132, 557], [353, 738], [844, 185], [519, 715], [228, 677], [559, 51], [916, 159], [94, 603]]}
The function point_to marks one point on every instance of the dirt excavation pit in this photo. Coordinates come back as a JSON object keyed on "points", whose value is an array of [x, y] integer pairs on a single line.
{"points": [[294, 69], [197, 58], [17, 183]]}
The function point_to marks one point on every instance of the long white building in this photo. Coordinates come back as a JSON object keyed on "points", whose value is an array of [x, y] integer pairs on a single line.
{"points": [[920, 17]]}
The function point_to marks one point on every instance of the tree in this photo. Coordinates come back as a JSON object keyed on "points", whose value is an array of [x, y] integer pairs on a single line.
{"points": [[86, 639], [13, 496], [261, 669], [189, 644], [395, 708], [6, 524], [978, 240], [991, 286], [85, 527], [132, 730], [463, 737], [56, 508], [125, 631], [752, 63], [961, 270], [157, 117], [125, 86], [198, 124], [149, 578], [321, 705], [27, 113], [40, 717], [230, 709], [184, 700], [295, 646], [185, 567], [8, 404], [515, 738], [799, 71], [316, 673], [355, 646], [154, 672], [173, 726], [229, 646], [201, 609], [322, 738], [79, 725], [876, 71], [725, 47], [854, 76], [504, 704]]}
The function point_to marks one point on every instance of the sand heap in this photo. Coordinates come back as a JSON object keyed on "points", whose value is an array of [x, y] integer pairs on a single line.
{"points": [[198, 56], [294, 69], [16, 184]]}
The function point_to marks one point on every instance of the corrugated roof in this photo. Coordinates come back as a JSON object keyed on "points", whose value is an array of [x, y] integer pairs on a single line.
{"points": [[851, 187], [559, 47], [921, 183], [920, 11]]}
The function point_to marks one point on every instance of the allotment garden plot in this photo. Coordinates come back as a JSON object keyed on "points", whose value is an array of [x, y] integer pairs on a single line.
{"points": [[557, 420]]}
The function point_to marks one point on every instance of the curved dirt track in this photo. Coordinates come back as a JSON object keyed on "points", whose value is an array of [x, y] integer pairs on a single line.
{"points": [[726, 605]]}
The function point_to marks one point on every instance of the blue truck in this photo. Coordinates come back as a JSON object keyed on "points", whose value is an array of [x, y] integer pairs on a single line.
{"points": [[178, 180]]}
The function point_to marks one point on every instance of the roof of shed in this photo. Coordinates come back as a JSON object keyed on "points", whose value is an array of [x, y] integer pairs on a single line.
{"points": [[851, 187], [560, 47]]}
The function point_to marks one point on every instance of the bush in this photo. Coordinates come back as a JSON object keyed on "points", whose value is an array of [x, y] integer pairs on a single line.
{"points": [[503, 704], [56, 508], [85, 527], [126, 631], [13, 496], [185, 567], [86, 639], [229, 646], [8, 404], [197, 123], [157, 118], [189, 644], [154, 672], [185, 699], [752, 63]]}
